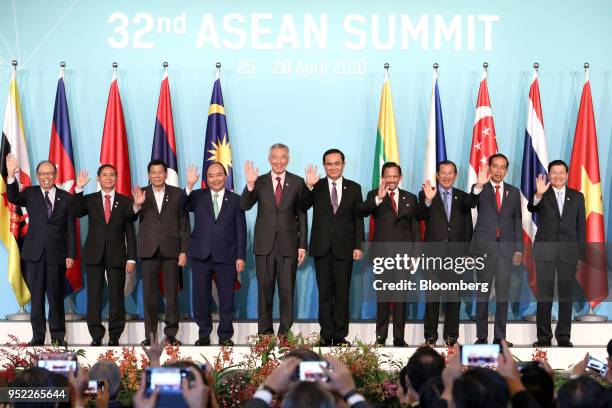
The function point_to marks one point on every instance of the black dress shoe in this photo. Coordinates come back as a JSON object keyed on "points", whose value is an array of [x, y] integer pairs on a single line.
{"points": [[399, 343], [380, 341], [113, 342], [145, 343], [267, 333], [36, 342], [226, 343], [324, 342], [95, 342], [341, 343], [59, 343], [565, 343], [480, 341], [450, 341], [204, 341], [173, 341], [542, 343], [498, 341], [431, 342]]}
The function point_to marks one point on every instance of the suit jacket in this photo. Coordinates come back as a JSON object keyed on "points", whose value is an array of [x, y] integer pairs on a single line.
{"points": [[559, 235], [342, 232], [439, 229], [223, 238], [389, 227], [508, 221], [52, 236], [167, 230], [116, 238], [289, 222]]}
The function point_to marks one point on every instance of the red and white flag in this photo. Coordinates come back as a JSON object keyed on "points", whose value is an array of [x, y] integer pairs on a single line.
{"points": [[484, 142]]}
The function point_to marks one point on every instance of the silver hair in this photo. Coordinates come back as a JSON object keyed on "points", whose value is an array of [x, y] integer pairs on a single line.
{"points": [[278, 146]]}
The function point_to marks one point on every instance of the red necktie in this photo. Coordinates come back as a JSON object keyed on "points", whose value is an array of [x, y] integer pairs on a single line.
{"points": [[498, 198], [107, 207], [278, 192], [393, 204]]}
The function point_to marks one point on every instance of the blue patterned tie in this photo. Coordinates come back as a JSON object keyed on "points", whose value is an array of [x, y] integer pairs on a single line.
{"points": [[446, 204]]}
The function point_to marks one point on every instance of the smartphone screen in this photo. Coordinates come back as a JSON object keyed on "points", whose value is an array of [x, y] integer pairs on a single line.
{"points": [[479, 355], [598, 366], [165, 379], [312, 371], [92, 387], [61, 363]]}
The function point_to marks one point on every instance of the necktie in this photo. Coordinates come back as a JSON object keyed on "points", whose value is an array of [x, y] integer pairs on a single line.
{"points": [[107, 207], [278, 192], [216, 205], [498, 198], [393, 204], [446, 205], [334, 197], [49, 205], [560, 202]]}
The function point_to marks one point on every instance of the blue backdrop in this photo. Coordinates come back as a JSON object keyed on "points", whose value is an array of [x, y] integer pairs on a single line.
{"points": [[308, 74]]}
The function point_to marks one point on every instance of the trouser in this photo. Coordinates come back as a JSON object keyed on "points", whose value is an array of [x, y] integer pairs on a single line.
{"points": [[545, 279], [273, 269], [116, 302], [498, 269], [334, 283], [202, 273], [151, 268], [44, 278], [382, 320]]}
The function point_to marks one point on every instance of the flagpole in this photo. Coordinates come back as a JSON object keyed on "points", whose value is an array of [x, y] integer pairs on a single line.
{"points": [[590, 316], [22, 314]]}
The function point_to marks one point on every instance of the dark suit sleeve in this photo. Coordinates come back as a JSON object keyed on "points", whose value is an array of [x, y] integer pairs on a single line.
{"points": [[307, 198], [186, 201], [581, 225], [422, 210], [369, 205], [70, 228], [241, 234], [78, 206], [15, 196], [130, 235], [248, 198], [185, 229], [303, 226], [416, 229], [534, 208], [472, 199], [518, 223], [359, 229]]}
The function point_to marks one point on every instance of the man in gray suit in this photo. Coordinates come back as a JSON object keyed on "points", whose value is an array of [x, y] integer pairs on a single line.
{"points": [[279, 241], [162, 247], [498, 237]]}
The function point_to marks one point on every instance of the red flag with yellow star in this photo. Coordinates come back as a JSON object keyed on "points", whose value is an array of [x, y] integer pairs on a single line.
{"points": [[584, 177]]}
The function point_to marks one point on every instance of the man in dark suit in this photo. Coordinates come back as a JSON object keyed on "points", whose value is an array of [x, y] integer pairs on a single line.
{"points": [[279, 241], [498, 237], [394, 213], [217, 247], [559, 246], [162, 247], [335, 242], [49, 247], [110, 247], [448, 231]]}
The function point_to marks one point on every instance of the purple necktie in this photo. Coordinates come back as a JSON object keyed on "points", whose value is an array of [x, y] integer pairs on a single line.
{"points": [[334, 197]]}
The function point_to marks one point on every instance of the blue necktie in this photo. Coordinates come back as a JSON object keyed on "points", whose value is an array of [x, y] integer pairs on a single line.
{"points": [[446, 204]]}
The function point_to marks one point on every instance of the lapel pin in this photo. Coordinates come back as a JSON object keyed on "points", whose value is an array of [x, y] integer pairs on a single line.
{"points": [[225, 199], [407, 205], [456, 197]]}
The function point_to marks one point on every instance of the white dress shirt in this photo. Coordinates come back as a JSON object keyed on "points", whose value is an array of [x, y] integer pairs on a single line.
{"points": [[159, 197]]}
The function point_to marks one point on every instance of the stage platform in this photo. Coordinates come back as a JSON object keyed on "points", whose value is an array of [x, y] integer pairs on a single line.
{"points": [[587, 337]]}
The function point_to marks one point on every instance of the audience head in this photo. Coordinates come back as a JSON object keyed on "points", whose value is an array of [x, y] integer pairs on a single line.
{"points": [[580, 392], [422, 365], [107, 370], [307, 394], [37, 377], [538, 383], [431, 392], [480, 388]]}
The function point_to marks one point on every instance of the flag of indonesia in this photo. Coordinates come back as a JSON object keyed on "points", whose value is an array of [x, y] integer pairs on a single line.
{"points": [[535, 162], [60, 153], [484, 143]]}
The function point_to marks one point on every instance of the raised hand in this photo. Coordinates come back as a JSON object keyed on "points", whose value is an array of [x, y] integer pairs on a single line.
{"points": [[11, 165], [82, 179], [312, 177], [251, 173], [192, 176], [541, 185], [429, 190], [483, 177], [139, 196], [382, 189]]}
